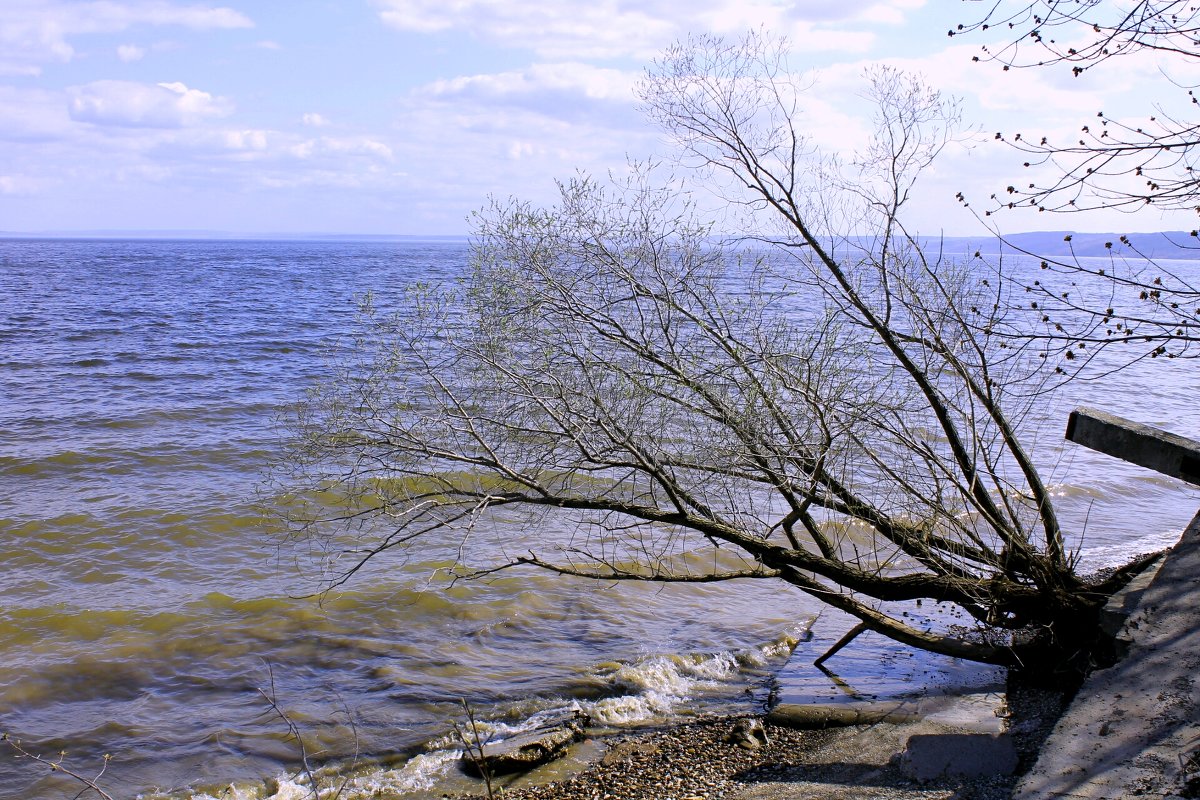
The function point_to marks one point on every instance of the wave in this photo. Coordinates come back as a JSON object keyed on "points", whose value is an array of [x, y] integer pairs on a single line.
{"points": [[112, 461], [34, 466], [642, 691], [1097, 557], [196, 415], [93, 334], [419, 774]]}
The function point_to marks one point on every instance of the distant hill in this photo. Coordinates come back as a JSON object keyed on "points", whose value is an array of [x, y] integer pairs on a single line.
{"points": [[1054, 244]]}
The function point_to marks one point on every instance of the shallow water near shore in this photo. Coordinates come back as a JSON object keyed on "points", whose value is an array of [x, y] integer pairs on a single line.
{"points": [[146, 605]]}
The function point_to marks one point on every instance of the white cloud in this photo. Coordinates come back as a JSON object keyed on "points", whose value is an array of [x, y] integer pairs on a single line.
{"points": [[130, 52], [254, 141], [18, 185], [581, 29], [460, 140], [328, 147], [1028, 101], [612, 28], [573, 92], [519, 150], [34, 32], [1033, 102], [583, 80], [268, 44], [31, 116], [360, 147], [889, 13], [13, 67], [282, 149], [314, 120], [141, 105]]}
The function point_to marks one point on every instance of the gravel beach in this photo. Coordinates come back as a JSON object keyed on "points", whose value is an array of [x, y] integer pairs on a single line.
{"points": [[697, 761], [690, 761]]}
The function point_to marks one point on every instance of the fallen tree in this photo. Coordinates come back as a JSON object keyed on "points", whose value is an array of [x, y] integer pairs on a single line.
{"points": [[836, 412]]}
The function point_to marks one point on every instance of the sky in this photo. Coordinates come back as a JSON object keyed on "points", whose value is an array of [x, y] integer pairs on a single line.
{"points": [[405, 116]]}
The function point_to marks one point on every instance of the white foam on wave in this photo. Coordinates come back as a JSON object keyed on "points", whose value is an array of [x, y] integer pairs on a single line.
{"points": [[648, 688], [420, 773], [492, 730], [780, 648], [286, 789], [1115, 555], [673, 674], [656, 685]]}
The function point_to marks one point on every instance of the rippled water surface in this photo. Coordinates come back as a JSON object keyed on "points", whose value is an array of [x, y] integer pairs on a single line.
{"points": [[145, 605]]}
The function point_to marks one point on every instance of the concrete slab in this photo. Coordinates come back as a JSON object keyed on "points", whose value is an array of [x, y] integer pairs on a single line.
{"points": [[1134, 728], [929, 757], [1139, 444], [980, 712], [941, 743]]}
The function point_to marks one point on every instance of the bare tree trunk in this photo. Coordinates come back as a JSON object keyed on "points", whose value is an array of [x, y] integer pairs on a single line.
{"points": [[801, 406]]}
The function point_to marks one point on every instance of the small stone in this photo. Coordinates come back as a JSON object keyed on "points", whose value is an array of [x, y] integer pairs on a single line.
{"points": [[749, 734]]}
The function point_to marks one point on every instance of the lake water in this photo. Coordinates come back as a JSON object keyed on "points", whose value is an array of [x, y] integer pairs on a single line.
{"points": [[145, 604]]}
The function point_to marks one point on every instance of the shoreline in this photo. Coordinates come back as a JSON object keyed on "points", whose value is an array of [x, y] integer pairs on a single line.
{"points": [[695, 760], [981, 746]]}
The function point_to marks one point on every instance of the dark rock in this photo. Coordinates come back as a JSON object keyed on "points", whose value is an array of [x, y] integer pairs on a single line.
{"points": [[748, 733]]}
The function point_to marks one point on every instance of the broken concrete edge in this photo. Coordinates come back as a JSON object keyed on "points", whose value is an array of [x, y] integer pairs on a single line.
{"points": [[1120, 607], [960, 745], [828, 715], [1087, 756]]}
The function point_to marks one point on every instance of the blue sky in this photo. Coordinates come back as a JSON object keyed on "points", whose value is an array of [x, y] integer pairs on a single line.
{"points": [[403, 116]]}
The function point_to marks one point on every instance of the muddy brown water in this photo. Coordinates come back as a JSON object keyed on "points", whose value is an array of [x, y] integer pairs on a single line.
{"points": [[145, 605]]}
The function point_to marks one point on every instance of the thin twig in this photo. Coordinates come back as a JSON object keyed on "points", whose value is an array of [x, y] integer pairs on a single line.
{"points": [[474, 747], [89, 784]]}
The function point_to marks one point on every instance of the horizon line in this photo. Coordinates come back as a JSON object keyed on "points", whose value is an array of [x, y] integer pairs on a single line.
{"points": [[201, 234]]}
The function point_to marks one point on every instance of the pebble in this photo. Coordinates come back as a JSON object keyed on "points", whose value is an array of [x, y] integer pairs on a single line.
{"points": [[693, 761], [697, 760]]}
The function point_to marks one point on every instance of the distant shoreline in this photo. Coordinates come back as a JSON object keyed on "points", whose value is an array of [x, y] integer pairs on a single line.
{"points": [[225, 236], [1166, 245]]}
